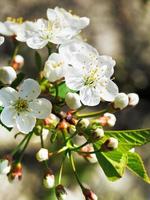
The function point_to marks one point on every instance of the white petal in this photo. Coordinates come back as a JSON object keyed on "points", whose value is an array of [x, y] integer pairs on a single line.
{"points": [[53, 69], [73, 77], [4, 29], [109, 92], [1, 40], [8, 95], [51, 14], [26, 31], [90, 96], [77, 46], [36, 42], [29, 89], [25, 122], [106, 64], [8, 116], [40, 108]]}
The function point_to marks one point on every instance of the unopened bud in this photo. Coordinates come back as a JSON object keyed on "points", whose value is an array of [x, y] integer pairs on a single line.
{"points": [[42, 155], [84, 123], [121, 101], [7, 75], [51, 120], [73, 100], [49, 180], [132, 150], [72, 129], [110, 144], [63, 124], [133, 99], [5, 166], [61, 193], [110, 118], [16, 172], [91, 157], [17, 62], [89, 194], [99, 132]]}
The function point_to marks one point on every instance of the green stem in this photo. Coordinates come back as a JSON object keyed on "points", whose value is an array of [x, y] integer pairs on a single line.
{"points": [[15, 52], [56, 88], [61, 168], [74, 170], [42, 141], [91, 152], [79, 147], [19, 145], [92, 114], [25, 146], [73, 135]]}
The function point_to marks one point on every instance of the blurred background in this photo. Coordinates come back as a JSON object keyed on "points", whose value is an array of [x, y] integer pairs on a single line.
{"points": [[120, 29]]}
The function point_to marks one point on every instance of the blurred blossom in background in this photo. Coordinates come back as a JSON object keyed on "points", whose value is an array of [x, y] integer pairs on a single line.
{"points": [[119, 29]]}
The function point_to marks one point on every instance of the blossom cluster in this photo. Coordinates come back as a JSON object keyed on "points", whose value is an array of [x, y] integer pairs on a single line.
{"points": [[74, 76]]}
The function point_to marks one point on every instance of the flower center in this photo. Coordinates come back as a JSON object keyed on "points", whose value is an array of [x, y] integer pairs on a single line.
{"points": [[21, 105], [91, 78]]}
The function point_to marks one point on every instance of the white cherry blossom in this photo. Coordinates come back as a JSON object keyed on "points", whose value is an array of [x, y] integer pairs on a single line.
{"points": [[60, 27], [88, 72], [22, 107]]}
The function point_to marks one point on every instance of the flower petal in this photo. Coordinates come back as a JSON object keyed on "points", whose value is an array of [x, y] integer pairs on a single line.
{"points": [[73, 77], [36, 42], [53, 69], [8, 95], [109, 92], [8, 116], [106, 64], [40, 108], [25, 122], [51, 14], [29, 89], [90, 96]]}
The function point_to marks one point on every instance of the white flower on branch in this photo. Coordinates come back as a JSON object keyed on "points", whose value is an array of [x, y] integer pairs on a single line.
{"points": [[22, 108], [89, 73], [60, 27]]}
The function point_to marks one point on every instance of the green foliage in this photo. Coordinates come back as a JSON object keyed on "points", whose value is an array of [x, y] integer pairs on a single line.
{"points": [[135, 164], [63, 90], [114, 162], [130, 138]]}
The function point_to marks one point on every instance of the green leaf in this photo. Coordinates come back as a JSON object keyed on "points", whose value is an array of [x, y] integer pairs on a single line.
{"points": [[135, 164], [130, 138], [113, 163], [63, 90], [38, 61]]}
